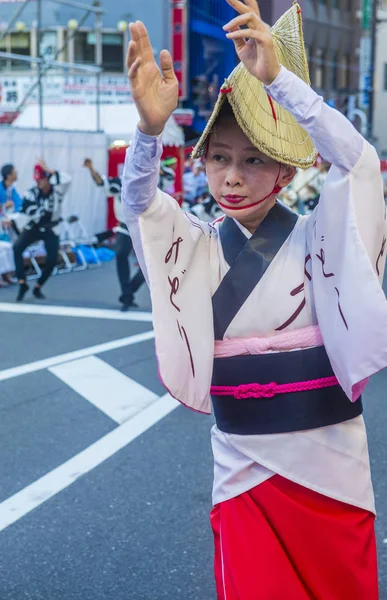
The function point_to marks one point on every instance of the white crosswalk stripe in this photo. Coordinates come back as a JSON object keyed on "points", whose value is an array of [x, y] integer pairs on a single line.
{"points": [[112, 392], [131, 405], [29, 498]]}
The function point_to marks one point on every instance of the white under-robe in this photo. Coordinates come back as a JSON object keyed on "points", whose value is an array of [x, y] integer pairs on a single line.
{"points": [[345, 238]]}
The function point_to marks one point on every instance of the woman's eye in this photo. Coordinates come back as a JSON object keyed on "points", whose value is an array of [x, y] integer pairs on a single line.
{"points": [[254, 161], [218, 157]]}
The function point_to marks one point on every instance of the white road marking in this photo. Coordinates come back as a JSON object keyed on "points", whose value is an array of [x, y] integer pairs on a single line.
{"points": [[75, 311], [46, 363], [29, 498], [115, 394]]}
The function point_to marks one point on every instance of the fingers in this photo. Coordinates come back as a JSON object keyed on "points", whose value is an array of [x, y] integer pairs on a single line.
{"points": [[238, 43], [134, 68], [146, 47], [134, 33], [247, 34], [132, 54], [250, 19], [166, 64], [239, 6], [253, 4]]}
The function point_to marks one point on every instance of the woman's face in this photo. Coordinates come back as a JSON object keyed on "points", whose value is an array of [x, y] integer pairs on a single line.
{"points": [[240, 176]]}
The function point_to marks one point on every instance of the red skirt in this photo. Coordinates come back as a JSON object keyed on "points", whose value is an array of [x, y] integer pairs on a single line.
{"points": [[282, 541]]}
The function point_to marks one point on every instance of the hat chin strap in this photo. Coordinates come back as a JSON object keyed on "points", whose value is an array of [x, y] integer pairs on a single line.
{"points": [[276, 190]]}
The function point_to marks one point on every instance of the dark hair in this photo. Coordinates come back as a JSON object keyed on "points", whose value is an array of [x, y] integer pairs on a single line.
{"points": [[225, 111], [6, 171]]}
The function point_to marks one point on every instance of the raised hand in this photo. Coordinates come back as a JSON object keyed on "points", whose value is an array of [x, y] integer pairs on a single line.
{"points": [[88, 163], [44, 166], [154, 92], [254, 45]]}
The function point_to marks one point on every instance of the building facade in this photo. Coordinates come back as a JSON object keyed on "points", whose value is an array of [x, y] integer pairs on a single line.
{"points": [[58, 22], [211, 56], [71, 35], [332, 39], [203, 55]]}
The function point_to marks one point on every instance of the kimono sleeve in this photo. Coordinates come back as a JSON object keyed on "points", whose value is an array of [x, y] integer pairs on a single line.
{"points": [[176, 249], [347, 237]]}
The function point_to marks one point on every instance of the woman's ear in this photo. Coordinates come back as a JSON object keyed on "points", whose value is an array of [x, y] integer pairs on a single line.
{"points": [[287, 175]]}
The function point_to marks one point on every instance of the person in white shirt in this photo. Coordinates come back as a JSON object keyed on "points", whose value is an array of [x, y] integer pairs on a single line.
{"points": [[123, 246]]}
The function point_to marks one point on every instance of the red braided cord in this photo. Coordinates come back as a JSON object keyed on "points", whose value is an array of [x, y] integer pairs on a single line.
{"points": [[272, 107], [269, 390]]}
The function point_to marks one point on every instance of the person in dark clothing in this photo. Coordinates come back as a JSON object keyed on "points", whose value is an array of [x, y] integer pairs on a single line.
{"points": [[123, 246], [43, 204]]}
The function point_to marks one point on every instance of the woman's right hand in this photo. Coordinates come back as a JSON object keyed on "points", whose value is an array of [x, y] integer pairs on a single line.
{"points": [[155, 93]]}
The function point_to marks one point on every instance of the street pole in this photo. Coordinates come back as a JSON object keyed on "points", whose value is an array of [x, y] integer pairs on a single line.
{"points": [[98, 56], [371, 108], [39, 65]]}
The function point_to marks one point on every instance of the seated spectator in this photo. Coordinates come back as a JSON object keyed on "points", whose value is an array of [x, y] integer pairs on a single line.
{"points": [[7, 263], [42, 204], [10, 201]]}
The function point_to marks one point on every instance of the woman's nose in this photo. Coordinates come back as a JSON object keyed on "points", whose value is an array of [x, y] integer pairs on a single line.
{"points": [[233, 177]]}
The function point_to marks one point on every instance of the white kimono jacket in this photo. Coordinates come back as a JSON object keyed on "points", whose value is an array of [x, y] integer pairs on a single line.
{"points": [[345, 238]]}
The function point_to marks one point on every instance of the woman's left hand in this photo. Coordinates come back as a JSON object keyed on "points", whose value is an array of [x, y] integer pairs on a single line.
{"points": [[254, 45]]}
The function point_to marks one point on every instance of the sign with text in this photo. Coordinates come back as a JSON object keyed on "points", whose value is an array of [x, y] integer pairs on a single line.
{"points": [[64, 90], [179, 44]]}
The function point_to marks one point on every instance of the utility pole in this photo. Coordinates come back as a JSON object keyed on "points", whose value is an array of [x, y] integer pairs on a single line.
{"points": [[371, 91], [98, 60], [39, 65]]}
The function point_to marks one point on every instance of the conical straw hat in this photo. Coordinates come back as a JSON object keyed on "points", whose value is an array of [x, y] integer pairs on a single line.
{"points": [[270, 128]]}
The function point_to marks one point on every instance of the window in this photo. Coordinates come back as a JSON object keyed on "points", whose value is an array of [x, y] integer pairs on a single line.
{"points": [[113, 52], [5, 46], [17, 43], [334, 71], [385, 77], [319, 69], [84, 44], [345, 74]]}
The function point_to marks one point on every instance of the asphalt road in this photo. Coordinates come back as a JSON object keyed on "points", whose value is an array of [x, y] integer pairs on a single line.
{"points": [[133, 524]]}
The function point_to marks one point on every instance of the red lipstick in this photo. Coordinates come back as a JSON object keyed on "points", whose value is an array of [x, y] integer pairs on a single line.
{"points": [[232, 199]]}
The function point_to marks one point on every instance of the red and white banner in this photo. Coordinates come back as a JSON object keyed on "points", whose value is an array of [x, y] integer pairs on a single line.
{"points": [[179, 45]]}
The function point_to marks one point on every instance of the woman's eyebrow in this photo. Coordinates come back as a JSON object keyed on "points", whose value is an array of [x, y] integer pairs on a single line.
{"points": [[227, 147], [252, 149], [221, 145]]}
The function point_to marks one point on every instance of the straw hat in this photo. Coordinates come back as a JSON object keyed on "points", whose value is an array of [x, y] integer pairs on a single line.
{"points": [[270, 128]]}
